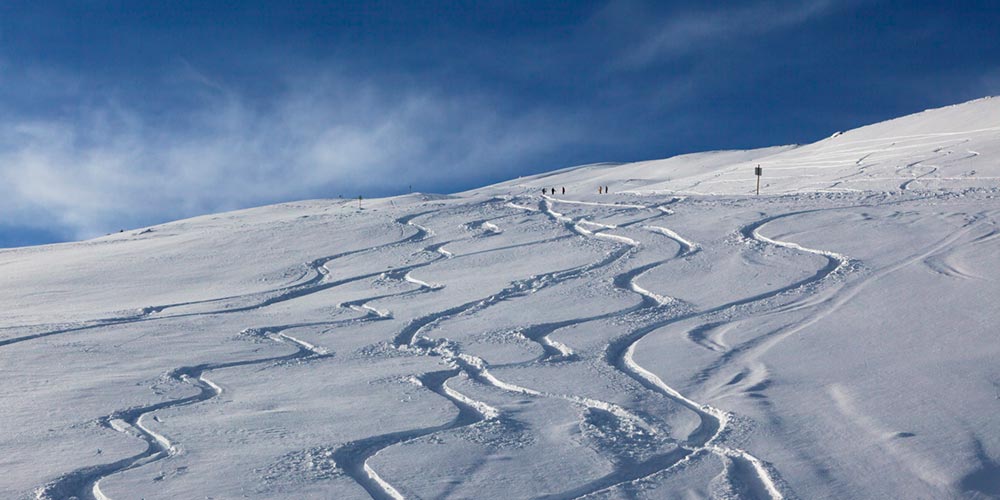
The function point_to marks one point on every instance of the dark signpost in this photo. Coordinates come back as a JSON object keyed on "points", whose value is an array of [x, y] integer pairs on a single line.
{"points": [[758, 172]]}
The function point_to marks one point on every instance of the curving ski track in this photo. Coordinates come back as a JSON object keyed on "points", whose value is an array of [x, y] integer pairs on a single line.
{"points": [[710, 433], [317, 283], [353, 456], [85, 483], [748, 471], [478, 370], [312, 285]]}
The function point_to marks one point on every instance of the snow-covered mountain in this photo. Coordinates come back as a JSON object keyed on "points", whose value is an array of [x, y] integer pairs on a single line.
{"points": [[834, 337], [948, 148]]}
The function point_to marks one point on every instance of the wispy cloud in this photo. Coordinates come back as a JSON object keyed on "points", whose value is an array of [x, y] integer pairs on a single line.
{"points": [[107, 166], [686, 32]]}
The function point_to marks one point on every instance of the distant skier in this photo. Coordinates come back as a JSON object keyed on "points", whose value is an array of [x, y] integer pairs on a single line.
{"points": [[544, 191], [600, 189], [564, 190], [605, 190]]}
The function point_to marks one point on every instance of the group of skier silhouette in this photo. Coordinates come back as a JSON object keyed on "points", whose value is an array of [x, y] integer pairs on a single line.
{"points": [[600, 190]]}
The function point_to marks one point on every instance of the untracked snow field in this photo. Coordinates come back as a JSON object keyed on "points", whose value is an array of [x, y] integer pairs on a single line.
{"points": [[834, 337]]}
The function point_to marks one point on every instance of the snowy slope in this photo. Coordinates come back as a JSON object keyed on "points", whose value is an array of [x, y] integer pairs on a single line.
{"points": [[947, 148], [673, 339]]}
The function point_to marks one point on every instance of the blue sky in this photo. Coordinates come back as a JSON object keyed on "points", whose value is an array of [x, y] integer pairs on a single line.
{"points": [[122, 114]]}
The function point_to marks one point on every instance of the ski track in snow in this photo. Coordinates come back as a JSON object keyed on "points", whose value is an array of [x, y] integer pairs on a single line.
{"points": [[687, 247], [735, 334], [421, 283], [353, 457], [410, 338], [476, 369], [837, 264], [713, 421], [596, 204], [765, 476], [943, 263], [317, 283], [85, 483], [313, 285], [740, 466], [822, 307], [710, 434]]}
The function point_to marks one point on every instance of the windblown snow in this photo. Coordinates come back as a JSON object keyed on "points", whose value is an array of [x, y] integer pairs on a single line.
{"points": [[677, 337]]}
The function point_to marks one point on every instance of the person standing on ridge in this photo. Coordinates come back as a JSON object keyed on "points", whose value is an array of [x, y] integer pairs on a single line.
{"points": [[600, 189], [564, 190]]}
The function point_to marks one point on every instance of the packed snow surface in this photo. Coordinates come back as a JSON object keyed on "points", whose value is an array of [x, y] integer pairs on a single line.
{"points": [[677, 337]]}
